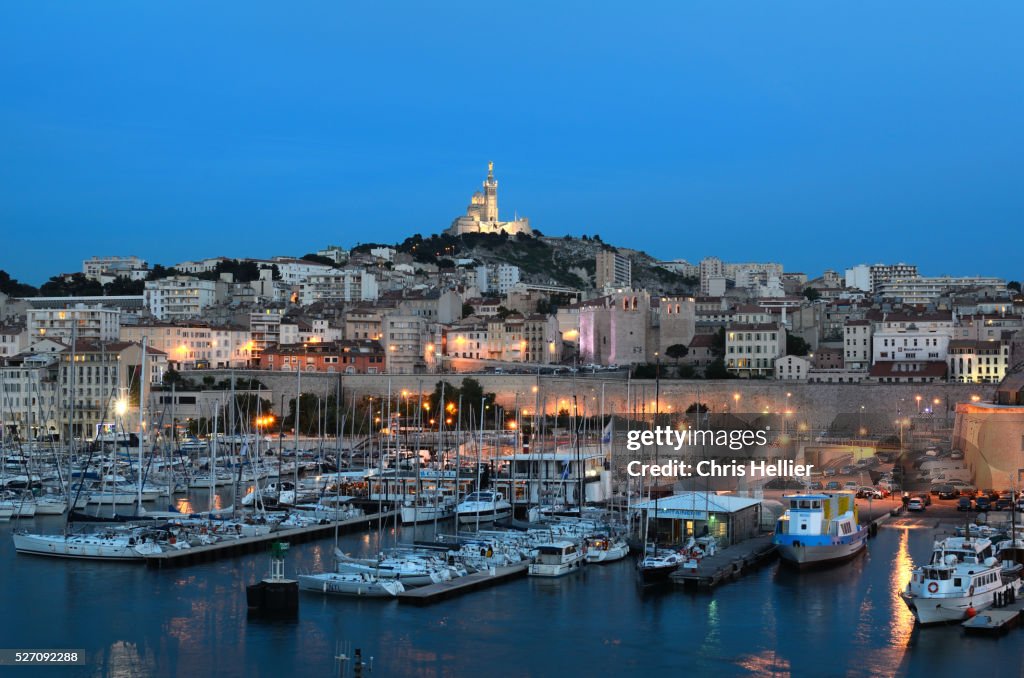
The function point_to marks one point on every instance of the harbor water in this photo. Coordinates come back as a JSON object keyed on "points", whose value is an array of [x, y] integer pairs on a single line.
{"points": [[136, 621]]}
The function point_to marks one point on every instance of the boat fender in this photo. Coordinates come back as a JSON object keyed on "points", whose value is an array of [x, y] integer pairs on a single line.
{"points": [[172, 540], [490, 552], [933, 587]]}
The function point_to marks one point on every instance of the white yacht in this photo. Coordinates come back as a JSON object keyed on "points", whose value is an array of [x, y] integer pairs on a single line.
{"points": [[111, 546], [351, 584], [484, 506], [557, 559], [603, 549], [428, 507], [819, 529], [962, 575]]}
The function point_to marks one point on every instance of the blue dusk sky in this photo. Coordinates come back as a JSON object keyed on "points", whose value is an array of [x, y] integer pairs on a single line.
{"points": [[817, 134]]}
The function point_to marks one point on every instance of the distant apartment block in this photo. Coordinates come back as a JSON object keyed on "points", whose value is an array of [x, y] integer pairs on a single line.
{"points": [[499, 279], [127, 267], [180, 297], [613, 270], [80, 321]]}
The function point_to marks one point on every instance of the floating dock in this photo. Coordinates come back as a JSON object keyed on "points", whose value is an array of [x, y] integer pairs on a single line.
{"points": [[994, 621], [237, 547], [728, 563], [435, 593]]}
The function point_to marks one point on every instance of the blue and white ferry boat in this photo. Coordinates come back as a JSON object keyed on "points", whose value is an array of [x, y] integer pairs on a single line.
{"points": [[819, 529]]}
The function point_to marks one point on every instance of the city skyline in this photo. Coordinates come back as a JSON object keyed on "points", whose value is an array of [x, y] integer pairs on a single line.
{"points": [[803, 132]]}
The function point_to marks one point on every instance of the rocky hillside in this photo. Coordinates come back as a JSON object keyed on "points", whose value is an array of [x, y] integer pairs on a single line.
{"points": [[542, 259]]}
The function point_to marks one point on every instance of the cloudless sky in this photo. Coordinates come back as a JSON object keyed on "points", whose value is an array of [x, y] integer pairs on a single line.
{"points": [[818, 134]]}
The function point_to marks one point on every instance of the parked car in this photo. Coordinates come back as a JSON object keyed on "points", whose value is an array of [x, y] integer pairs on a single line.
{"points": [[850, 485], [983, 503], [830, 472], [948, 492], [915, 504], [926, 498], [869, 493], [848, 469], [964, 504], [1005, 501], [816, 485], [832, 485]]}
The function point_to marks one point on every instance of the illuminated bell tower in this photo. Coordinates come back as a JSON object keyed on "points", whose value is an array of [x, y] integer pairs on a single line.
{"points": [[490, 195]]}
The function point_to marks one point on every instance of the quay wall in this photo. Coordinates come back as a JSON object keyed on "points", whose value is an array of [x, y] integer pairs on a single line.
{"points": [[552, 393]]}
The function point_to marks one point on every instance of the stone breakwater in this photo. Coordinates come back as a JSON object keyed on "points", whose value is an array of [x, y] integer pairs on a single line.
{"points": [[824, 401]]}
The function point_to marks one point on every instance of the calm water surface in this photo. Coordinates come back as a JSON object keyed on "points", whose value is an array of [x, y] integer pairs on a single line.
{"points": [[192, 621]]}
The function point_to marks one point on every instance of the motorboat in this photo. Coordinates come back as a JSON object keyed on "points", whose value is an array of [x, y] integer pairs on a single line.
{"points": [[483, 506], [657, 567], [557, 559]]}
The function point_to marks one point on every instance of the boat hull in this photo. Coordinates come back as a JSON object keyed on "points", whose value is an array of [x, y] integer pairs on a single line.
{"points": [[485, 516], [349, 586], [81, 547], [809, 552], [932, 611]]}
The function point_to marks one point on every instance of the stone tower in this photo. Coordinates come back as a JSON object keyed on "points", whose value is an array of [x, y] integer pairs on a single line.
{"points": [[490, 195]]}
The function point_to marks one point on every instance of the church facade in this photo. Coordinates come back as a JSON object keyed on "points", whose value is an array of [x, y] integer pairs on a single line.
{"points": [[482, 214]]}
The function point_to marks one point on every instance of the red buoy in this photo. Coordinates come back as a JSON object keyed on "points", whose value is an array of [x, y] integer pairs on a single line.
{"points": [[971, 612]]}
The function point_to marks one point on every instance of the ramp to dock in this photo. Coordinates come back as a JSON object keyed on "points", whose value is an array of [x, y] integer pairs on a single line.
{"points": [[434, 593]]}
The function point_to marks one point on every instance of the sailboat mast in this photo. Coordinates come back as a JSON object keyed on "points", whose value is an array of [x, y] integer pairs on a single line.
{"points": [[142, 426]]}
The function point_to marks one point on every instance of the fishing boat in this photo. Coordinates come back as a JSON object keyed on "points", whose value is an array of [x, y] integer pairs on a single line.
{"points": [[351, 584], [601, 549], [484, 506], [557, 559], [960, 580], [819, 529]]}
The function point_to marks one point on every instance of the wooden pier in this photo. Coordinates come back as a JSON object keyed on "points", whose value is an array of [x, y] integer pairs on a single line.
{"points": [[729, 563], [434, 593], [237, 547]]}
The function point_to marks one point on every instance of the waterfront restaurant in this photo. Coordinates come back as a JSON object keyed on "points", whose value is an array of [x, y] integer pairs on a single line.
{"points": [[727, 518]]}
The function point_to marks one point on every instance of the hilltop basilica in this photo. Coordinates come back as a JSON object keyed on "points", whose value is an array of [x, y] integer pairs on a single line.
{"points": [[482, 214]]}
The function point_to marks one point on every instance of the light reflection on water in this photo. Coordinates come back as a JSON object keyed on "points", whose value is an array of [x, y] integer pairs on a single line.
{"points": [[846, 620]]}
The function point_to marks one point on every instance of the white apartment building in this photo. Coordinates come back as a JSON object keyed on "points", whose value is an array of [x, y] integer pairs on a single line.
{"points": [[712, 277], [922, 291], [978, 362], [28, 396], [314, 331], [128, 267], [792, 368], [80, 321], [200, 266], [195, 345], [180, 297], [859, 277], [901, 337], [13, 340], [296, 271], [264, 330], [497, 279], [857, 340], [404, 339], [751, 349], [338, 286], [882, 273], [612, 270]]}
